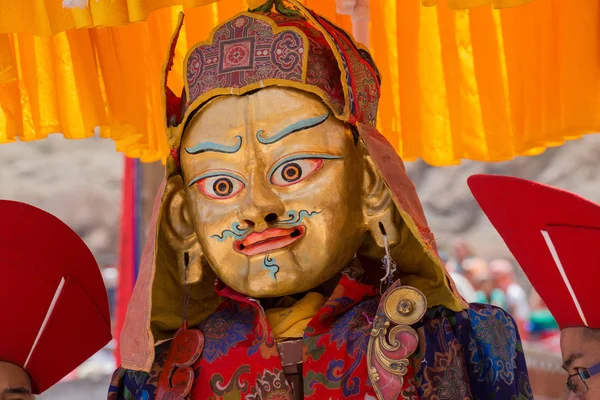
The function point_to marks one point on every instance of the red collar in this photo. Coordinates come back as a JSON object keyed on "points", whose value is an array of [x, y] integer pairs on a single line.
{"points": [[348, 293]]}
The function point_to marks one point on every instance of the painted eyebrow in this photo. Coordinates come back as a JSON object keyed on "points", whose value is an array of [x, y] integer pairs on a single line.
{"points": [[293, 128], [216, 147], [213, 173], [570, 360], [19, 390]]}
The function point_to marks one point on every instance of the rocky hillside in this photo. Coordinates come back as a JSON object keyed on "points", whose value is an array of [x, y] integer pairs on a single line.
{"points": [[452, 211], [80, 182]]}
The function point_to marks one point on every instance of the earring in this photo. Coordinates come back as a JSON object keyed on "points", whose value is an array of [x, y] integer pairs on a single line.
{"points": [[389, 265], [187, 288]]}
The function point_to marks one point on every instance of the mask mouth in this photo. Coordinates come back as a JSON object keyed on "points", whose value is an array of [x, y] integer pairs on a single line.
{"points": [[268, 240]]}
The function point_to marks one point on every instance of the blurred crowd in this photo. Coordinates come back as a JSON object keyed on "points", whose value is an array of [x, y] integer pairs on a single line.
{"points": [[495, 282]]}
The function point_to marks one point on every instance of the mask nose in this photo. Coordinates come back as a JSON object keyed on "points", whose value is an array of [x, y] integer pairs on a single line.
{"points": [[262, 206], [271, 218]]}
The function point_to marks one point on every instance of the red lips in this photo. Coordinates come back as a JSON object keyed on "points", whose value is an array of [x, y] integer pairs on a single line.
{"points": [[268, 240]]}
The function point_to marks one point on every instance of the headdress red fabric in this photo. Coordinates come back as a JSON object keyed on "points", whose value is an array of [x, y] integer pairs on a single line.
{"points": [[552, 234], [54, 305], [253, 50]]}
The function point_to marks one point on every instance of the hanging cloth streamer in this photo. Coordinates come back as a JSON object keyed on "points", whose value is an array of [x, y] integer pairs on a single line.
{"points": [[360, 16], [480, 84]]}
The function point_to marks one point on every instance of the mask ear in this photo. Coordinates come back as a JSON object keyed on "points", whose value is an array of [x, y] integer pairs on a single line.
{"points": [[379, 208], [179, 232]]}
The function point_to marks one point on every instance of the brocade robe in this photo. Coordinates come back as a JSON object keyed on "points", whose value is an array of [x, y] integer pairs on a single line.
{"points": [[475, 353]]}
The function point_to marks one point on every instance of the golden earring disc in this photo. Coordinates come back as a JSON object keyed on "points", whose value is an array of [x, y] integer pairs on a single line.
{"points": [[405, 305]]}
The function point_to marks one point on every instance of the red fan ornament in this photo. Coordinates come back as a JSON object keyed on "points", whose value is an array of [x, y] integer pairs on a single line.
{"points": [[54, 305], [554, 236]]}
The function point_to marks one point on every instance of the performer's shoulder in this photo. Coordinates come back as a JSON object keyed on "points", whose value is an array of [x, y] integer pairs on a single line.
{"points": [[478, 325], [488, 313], [481, 344]]}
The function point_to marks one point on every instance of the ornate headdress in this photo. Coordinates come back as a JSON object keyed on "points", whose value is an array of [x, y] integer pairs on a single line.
{"points": [[293, 47]]}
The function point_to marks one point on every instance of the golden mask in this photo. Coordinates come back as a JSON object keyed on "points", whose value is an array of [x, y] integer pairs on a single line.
{"points": [[277, 189]]}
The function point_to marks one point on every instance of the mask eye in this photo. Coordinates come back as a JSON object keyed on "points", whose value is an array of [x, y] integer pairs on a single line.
{"points": [[220, 187], [295, 171]]}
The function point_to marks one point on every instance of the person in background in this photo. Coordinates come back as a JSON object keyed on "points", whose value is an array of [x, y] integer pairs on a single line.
{"points": [[487, 292], [554, 236], [461, 252], [542, 324], [53, 305], [464, 287], [517, 303], [474, 268]]}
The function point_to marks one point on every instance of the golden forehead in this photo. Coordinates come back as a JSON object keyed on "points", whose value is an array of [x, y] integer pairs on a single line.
{"points": [[271, 107]]}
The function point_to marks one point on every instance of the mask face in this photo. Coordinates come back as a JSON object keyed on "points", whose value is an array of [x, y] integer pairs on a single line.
{"points": [[275, 187]]}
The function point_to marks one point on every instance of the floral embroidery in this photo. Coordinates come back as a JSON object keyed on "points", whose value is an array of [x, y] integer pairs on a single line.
{"points": [[362, 82], [226, 329], [235, 384], [448, 365], [525, 391], [246, 50], [493, 346], [447, 377], [271, 387], [475, 353], [353, 328], [350, 333], [335, 360]]}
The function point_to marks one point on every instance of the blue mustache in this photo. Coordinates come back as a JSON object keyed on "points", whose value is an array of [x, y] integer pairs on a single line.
{"points": [[235, 232], [295, 217], [238, 233]]}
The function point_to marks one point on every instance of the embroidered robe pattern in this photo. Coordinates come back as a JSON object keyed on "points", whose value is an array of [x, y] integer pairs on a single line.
{"points": [[473, 354]]}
